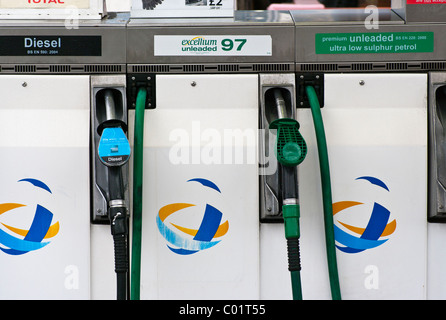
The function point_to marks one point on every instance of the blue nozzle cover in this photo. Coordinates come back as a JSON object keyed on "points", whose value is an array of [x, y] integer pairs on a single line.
{"points": [[114, 147]]}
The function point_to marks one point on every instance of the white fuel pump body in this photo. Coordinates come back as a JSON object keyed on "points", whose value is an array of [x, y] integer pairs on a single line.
{"points": [[376, 130], [200, 189], [44, 190]]}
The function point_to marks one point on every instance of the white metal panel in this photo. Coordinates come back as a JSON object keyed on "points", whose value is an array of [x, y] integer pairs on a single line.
{"points": [[118, 5], [376, 126], [436, 262], [197, 116], [45, 136]]}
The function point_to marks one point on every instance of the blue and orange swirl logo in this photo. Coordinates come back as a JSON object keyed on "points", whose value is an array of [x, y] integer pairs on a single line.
{"points": [[186, 241], [20, 241], [357, 239]]}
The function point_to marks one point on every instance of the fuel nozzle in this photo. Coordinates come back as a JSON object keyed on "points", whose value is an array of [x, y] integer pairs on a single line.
{"points": [[114, 148], [114, 152], [291, 150]]}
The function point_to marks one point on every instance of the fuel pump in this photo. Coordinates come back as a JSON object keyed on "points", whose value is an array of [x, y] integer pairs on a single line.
{"points": [[366, 88], [50, 77], [200, 149]]}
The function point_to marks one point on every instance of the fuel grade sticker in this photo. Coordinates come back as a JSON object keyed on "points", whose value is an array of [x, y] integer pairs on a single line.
{"points": [[50, 46], [213, 45], [374, 42]]}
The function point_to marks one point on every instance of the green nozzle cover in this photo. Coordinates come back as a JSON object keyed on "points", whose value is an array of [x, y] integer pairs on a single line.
{"points": [[291, 153], [291, 214], [291, 148]]}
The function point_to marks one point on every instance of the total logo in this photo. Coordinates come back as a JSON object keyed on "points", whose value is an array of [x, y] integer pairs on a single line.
{"points": [[17, 241], [355, 239], [183, 240]]}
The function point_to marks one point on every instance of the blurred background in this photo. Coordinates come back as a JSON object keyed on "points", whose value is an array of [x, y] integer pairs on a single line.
{"points": [[124, 5], [263, 4]]}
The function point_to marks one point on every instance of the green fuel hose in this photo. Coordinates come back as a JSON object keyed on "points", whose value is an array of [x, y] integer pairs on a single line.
{"points": [[137, 194], [326, 192], [296, 285]]}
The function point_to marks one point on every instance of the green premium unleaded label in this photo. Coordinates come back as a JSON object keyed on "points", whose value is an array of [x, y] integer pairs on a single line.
{"points": [[374, 42]]}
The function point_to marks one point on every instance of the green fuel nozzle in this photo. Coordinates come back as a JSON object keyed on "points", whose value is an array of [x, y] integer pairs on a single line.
{"points": [[291, 148], [290, 151]]}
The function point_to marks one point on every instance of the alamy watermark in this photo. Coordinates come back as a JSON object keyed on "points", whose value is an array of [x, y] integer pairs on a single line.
{"points": [[72, 17], [72, 277], [371, 281], [207, 146], [372, 20]]}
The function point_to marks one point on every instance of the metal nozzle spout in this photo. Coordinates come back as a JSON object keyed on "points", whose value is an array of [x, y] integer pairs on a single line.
{"points": [[280, 103], [110, 107]]}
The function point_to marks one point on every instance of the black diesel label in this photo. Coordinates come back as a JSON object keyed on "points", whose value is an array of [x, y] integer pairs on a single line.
{"points": [[50, 45]]}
